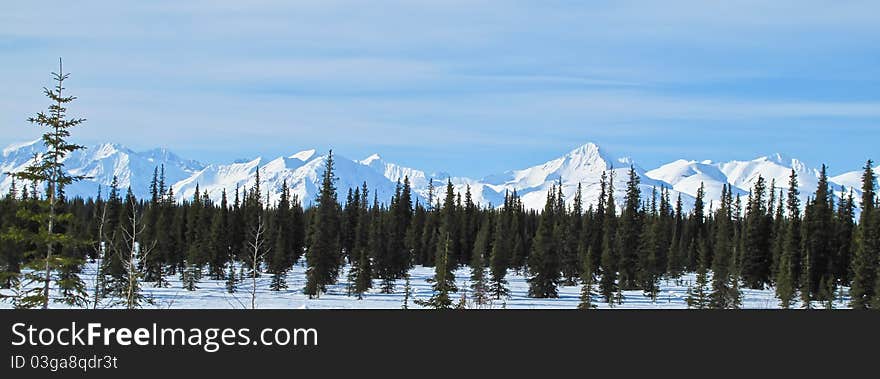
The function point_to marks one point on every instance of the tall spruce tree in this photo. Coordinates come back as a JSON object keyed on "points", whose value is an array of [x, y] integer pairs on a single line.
{"points": [[544, 261], [48, 170], [361, 273], [608, 284], [323, 257], [500, 258], [867, 254], [281, 257], [818, 237], [756, 253], [789, 262], [629, 234], [573, 228], [479, 284], [844, 228], [724, 281]]}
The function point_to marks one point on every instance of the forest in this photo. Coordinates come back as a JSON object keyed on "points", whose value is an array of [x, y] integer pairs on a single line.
{"points": [[817, 253]]}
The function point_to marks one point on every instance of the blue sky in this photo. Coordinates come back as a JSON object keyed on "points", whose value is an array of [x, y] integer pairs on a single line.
{"points": [[469, 87]]}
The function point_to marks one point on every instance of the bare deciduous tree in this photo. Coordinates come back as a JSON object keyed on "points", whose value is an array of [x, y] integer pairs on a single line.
{"points": [[256, 245]]}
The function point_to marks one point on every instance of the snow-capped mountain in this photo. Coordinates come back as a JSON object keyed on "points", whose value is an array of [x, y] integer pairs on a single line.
{"points": [[853, 179], [687, 177], [583, 165], [302, 172], [100, 164]]}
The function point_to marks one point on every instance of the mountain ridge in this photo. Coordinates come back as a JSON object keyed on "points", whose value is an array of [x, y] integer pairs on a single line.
{"points": [[583, 165]]}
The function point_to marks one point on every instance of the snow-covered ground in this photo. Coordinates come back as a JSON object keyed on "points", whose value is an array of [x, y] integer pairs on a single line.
{"points": [[212, 294]]}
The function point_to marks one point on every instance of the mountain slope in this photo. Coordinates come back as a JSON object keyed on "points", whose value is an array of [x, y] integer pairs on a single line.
{"points": [[101, 163], [302, 171]]}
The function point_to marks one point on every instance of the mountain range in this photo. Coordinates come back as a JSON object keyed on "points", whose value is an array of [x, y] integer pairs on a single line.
{"points": [[302, 171]]}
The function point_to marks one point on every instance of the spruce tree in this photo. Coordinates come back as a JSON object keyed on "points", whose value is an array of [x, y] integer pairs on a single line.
{"points": [[324, 253], [500, 258], [789, 266], [478, 267], [586, 299], [724, 291], [281, 257], [698, 294], [220, 246], [629, 234], [756, 253], [544, 261], [48, 170], [844, 234], [677, 247], [608, 284], [867, 253], [443, 282], [361, 273], [572, 225], [818, 236]]}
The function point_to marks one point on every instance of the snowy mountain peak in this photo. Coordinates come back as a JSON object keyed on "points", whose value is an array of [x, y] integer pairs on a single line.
{"points": [[18, 147], [589, 153], [582, 166], [304, 155], [587, 149], [368, 161]]}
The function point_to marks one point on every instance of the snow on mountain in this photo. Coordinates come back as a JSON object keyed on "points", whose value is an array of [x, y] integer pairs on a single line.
{"points": [[393, 172], [687, 177], [583, 165], [420, 181], [743, 174], [100, 164], [302, 171], [852, 179]]}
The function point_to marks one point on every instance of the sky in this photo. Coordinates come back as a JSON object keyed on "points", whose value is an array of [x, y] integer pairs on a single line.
{"points": [[467, 87]]}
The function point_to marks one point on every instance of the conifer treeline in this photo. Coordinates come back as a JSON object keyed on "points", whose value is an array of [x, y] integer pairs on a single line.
{"points": [[759, 241], [768, 239]]}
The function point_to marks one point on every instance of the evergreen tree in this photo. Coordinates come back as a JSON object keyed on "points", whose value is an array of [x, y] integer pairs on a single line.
{"points": [[114, 267], [608, 284], [231, 279], [572, 224], [867, 256], [219, 242], [818, 236], [544, 261], [443, 282], [789, 265], [48, 170], [361, 273], [324, 253], [586, 299], [698, 295], [845, 227], [478, 267], [281, 258], [629, 234], [677, 248], [501, 248], [152, 265], [10, 250], [724, 291], [756, 253]]}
